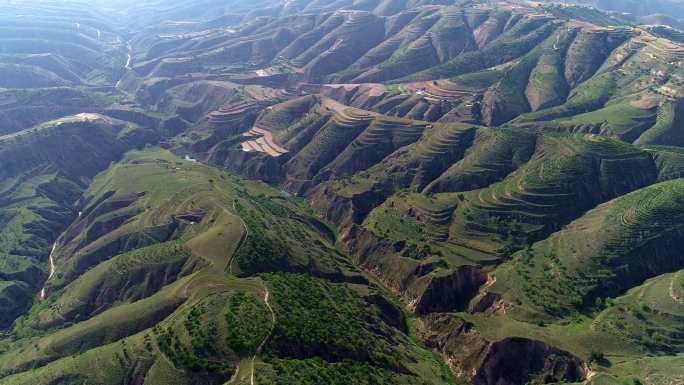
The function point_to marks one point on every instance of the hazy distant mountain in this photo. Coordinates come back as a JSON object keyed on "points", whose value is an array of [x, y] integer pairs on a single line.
{"points": [[672, 8]]}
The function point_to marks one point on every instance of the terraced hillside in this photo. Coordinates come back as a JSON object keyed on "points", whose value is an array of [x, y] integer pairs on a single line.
{"points": [[433, 217], [340, 192], [631, 225], [576, 71]]}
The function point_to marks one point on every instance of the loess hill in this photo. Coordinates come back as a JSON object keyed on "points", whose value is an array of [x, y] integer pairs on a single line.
{"points": [[341, 192]]}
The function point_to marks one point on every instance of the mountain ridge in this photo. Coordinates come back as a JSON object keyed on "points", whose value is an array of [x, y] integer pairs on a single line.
{"points": [[366, 192]]}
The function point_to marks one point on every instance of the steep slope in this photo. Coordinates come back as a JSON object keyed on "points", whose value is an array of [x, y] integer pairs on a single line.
{"points": [[43, 174], [585, 268], [493, 183], [20, 109], [156, 324]]}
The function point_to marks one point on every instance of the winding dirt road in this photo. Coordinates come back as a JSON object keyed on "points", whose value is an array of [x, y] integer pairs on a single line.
{"points": [[242, 241], [268, 336], [43, 291], [236, 376], [130, 56], [128, 66]]}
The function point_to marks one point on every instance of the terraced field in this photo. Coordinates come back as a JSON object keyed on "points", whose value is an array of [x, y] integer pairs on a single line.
{"points": [[349, 192], [531, 202], [264, 142], [583, 269]]}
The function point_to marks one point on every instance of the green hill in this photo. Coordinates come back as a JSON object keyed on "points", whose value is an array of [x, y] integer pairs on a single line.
{"points": [[341, 192], [123, 308]]}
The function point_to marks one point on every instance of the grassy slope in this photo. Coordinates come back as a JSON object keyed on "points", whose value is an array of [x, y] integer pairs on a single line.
{"points": [[577, 265], [139, 333], [620, 89], [42, 176]]}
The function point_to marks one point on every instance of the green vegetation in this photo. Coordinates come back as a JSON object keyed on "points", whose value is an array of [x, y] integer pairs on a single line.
{"points": [[571, 269], [319, 318], [248, 323], [481, 192], [318, 371], [258, 251], [284, 236], [199, 319], [202, 337]]}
